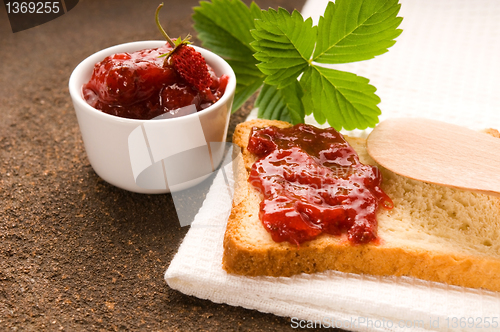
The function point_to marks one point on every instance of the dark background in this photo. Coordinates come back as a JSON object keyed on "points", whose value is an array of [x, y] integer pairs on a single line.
{"points": [[77, 254]]}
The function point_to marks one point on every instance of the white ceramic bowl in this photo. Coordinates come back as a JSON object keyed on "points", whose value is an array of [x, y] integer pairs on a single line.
{"points": [[152, 156]]}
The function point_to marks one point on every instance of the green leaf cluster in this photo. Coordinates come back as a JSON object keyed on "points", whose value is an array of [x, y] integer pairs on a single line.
{"points": [[281, 53]]}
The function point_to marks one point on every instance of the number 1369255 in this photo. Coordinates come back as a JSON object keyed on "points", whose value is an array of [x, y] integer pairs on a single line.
{"points": [[33, 7]]}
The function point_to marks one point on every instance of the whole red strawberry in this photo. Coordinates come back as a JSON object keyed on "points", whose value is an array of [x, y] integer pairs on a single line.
{"points": [[188, 62], [191, 65]]}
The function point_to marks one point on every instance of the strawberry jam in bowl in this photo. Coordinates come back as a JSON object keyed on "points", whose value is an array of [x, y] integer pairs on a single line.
{"points": [[142, 115], [153, 82]]}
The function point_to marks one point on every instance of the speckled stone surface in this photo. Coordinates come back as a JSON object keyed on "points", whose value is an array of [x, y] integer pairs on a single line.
{"points": [[77, 254]]}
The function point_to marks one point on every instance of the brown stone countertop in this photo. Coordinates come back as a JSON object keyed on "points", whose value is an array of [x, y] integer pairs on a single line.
{"points": [[77, 254]]}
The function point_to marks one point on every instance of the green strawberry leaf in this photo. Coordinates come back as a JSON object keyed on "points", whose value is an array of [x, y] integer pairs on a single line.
{"points": [[229, 36], [343, 99], [281, 104], [353, 31], [248, 80], [286, 50], [284, 43]]}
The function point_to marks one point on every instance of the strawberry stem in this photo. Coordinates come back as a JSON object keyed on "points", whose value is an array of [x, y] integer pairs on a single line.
{"points": [[161, 28]]}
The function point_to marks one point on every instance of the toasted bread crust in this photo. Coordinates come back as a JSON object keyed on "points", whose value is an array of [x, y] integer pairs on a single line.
{"points": [[249, 249]]}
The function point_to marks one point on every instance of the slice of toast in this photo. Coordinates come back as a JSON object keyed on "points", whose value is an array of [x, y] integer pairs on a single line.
{"points": [[432, 233]]}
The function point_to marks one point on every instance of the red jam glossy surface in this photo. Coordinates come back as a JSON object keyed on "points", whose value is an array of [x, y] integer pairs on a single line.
{"points": [[139, 85], [312, 182]]}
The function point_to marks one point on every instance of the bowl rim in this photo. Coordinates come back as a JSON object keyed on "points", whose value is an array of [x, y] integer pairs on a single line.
{"points": [[75, 89]]}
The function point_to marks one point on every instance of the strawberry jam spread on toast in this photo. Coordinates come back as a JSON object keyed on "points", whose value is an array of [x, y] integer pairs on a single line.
{"points": [[312, 182]]}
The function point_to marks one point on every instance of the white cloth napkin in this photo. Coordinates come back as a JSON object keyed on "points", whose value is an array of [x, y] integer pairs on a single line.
{"points": [[444, 66]]}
